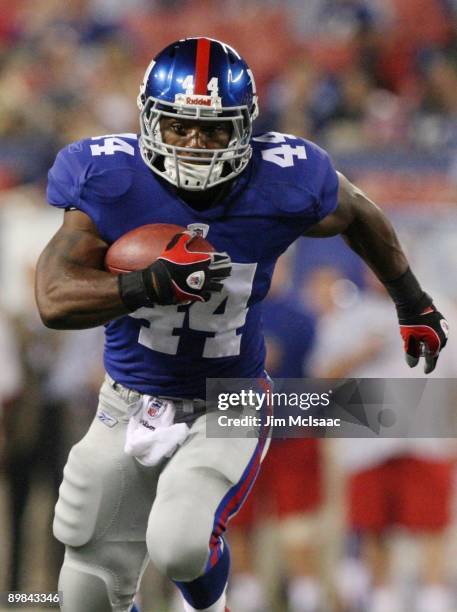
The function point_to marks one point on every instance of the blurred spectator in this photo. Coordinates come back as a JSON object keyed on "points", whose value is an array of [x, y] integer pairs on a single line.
{"points": [[392, 482], [289, 327], [40, 426], [12, 376], [32, 437], [352, 73], [74, 382], [436, 114], [289, 487]]}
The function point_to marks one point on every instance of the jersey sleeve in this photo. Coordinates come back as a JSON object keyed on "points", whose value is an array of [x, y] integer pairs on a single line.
{"points": [[326, 187], [88, 175], [297, 176], [64, 180]]}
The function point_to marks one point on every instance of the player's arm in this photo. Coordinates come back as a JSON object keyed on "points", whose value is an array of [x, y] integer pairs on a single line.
{"points": [[366, 229], [370, 234], [73, 290]]}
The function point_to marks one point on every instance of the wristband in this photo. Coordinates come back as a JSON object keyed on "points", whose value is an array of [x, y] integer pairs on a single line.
{"points": [[135, 290], [407, 295], [145, 288]]}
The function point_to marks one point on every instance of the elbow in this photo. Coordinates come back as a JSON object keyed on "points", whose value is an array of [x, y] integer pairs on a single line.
{"points": [[51, 316], [54, 323], [51, 309], [51, 297]]}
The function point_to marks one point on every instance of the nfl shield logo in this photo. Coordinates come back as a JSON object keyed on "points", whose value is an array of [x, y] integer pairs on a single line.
{"points": [[196, 280], [200, 229], [155, 407]]}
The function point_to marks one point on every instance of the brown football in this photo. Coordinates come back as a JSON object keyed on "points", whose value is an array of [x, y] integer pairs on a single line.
{"points": [[140, 247]]}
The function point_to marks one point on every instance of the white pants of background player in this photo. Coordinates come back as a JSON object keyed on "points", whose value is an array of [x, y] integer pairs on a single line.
{"points": [[113, 514]]}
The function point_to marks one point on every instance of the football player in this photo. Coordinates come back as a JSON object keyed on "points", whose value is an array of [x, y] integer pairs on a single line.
{"points": [[195, 164]]}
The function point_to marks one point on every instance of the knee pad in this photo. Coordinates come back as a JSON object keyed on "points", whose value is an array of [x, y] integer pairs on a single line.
{"points": [[177, 559], [90, 588], [79, 500], [177, 548]]}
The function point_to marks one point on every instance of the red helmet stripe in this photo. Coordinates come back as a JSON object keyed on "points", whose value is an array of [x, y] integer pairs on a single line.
{"points": [[202, 67]]}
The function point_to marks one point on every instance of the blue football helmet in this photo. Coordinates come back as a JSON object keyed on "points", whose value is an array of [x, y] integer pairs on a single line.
{"points": [[201, 79]]}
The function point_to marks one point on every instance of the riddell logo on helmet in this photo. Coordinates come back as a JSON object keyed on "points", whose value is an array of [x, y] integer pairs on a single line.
{"points": [[192, 100], [203, 100]]}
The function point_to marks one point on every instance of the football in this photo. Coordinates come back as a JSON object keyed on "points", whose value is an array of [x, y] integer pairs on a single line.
{"points": [[140, 247]]}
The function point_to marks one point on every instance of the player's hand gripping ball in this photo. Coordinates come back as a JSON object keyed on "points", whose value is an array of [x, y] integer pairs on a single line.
{"points": [[179, 265]]}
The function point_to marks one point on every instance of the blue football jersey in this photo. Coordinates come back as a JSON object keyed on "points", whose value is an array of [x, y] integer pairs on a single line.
{"points": [[288, 186]]}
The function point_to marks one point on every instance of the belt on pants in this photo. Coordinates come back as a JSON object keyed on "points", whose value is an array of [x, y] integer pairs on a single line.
{"points": [[190, 408]]}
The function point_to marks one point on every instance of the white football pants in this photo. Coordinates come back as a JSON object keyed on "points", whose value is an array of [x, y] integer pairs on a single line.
{"points": [[113, 514]]}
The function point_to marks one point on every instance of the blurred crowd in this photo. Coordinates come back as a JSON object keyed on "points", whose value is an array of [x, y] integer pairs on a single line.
{"points": [[374, 82], [351, 73]]}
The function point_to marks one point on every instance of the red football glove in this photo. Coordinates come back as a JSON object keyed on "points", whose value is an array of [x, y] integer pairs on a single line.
{"points": [[180, 276], [424, 335]]}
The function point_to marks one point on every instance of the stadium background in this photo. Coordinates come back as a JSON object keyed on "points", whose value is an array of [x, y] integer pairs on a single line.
{"points": [[373, 81]]}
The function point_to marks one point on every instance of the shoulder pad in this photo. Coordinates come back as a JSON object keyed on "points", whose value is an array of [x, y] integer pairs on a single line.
{"points": [[297, 173], [101, 167]]}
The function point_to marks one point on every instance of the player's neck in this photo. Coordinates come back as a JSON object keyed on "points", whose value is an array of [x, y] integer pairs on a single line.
{"points": [[202, 200]]}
